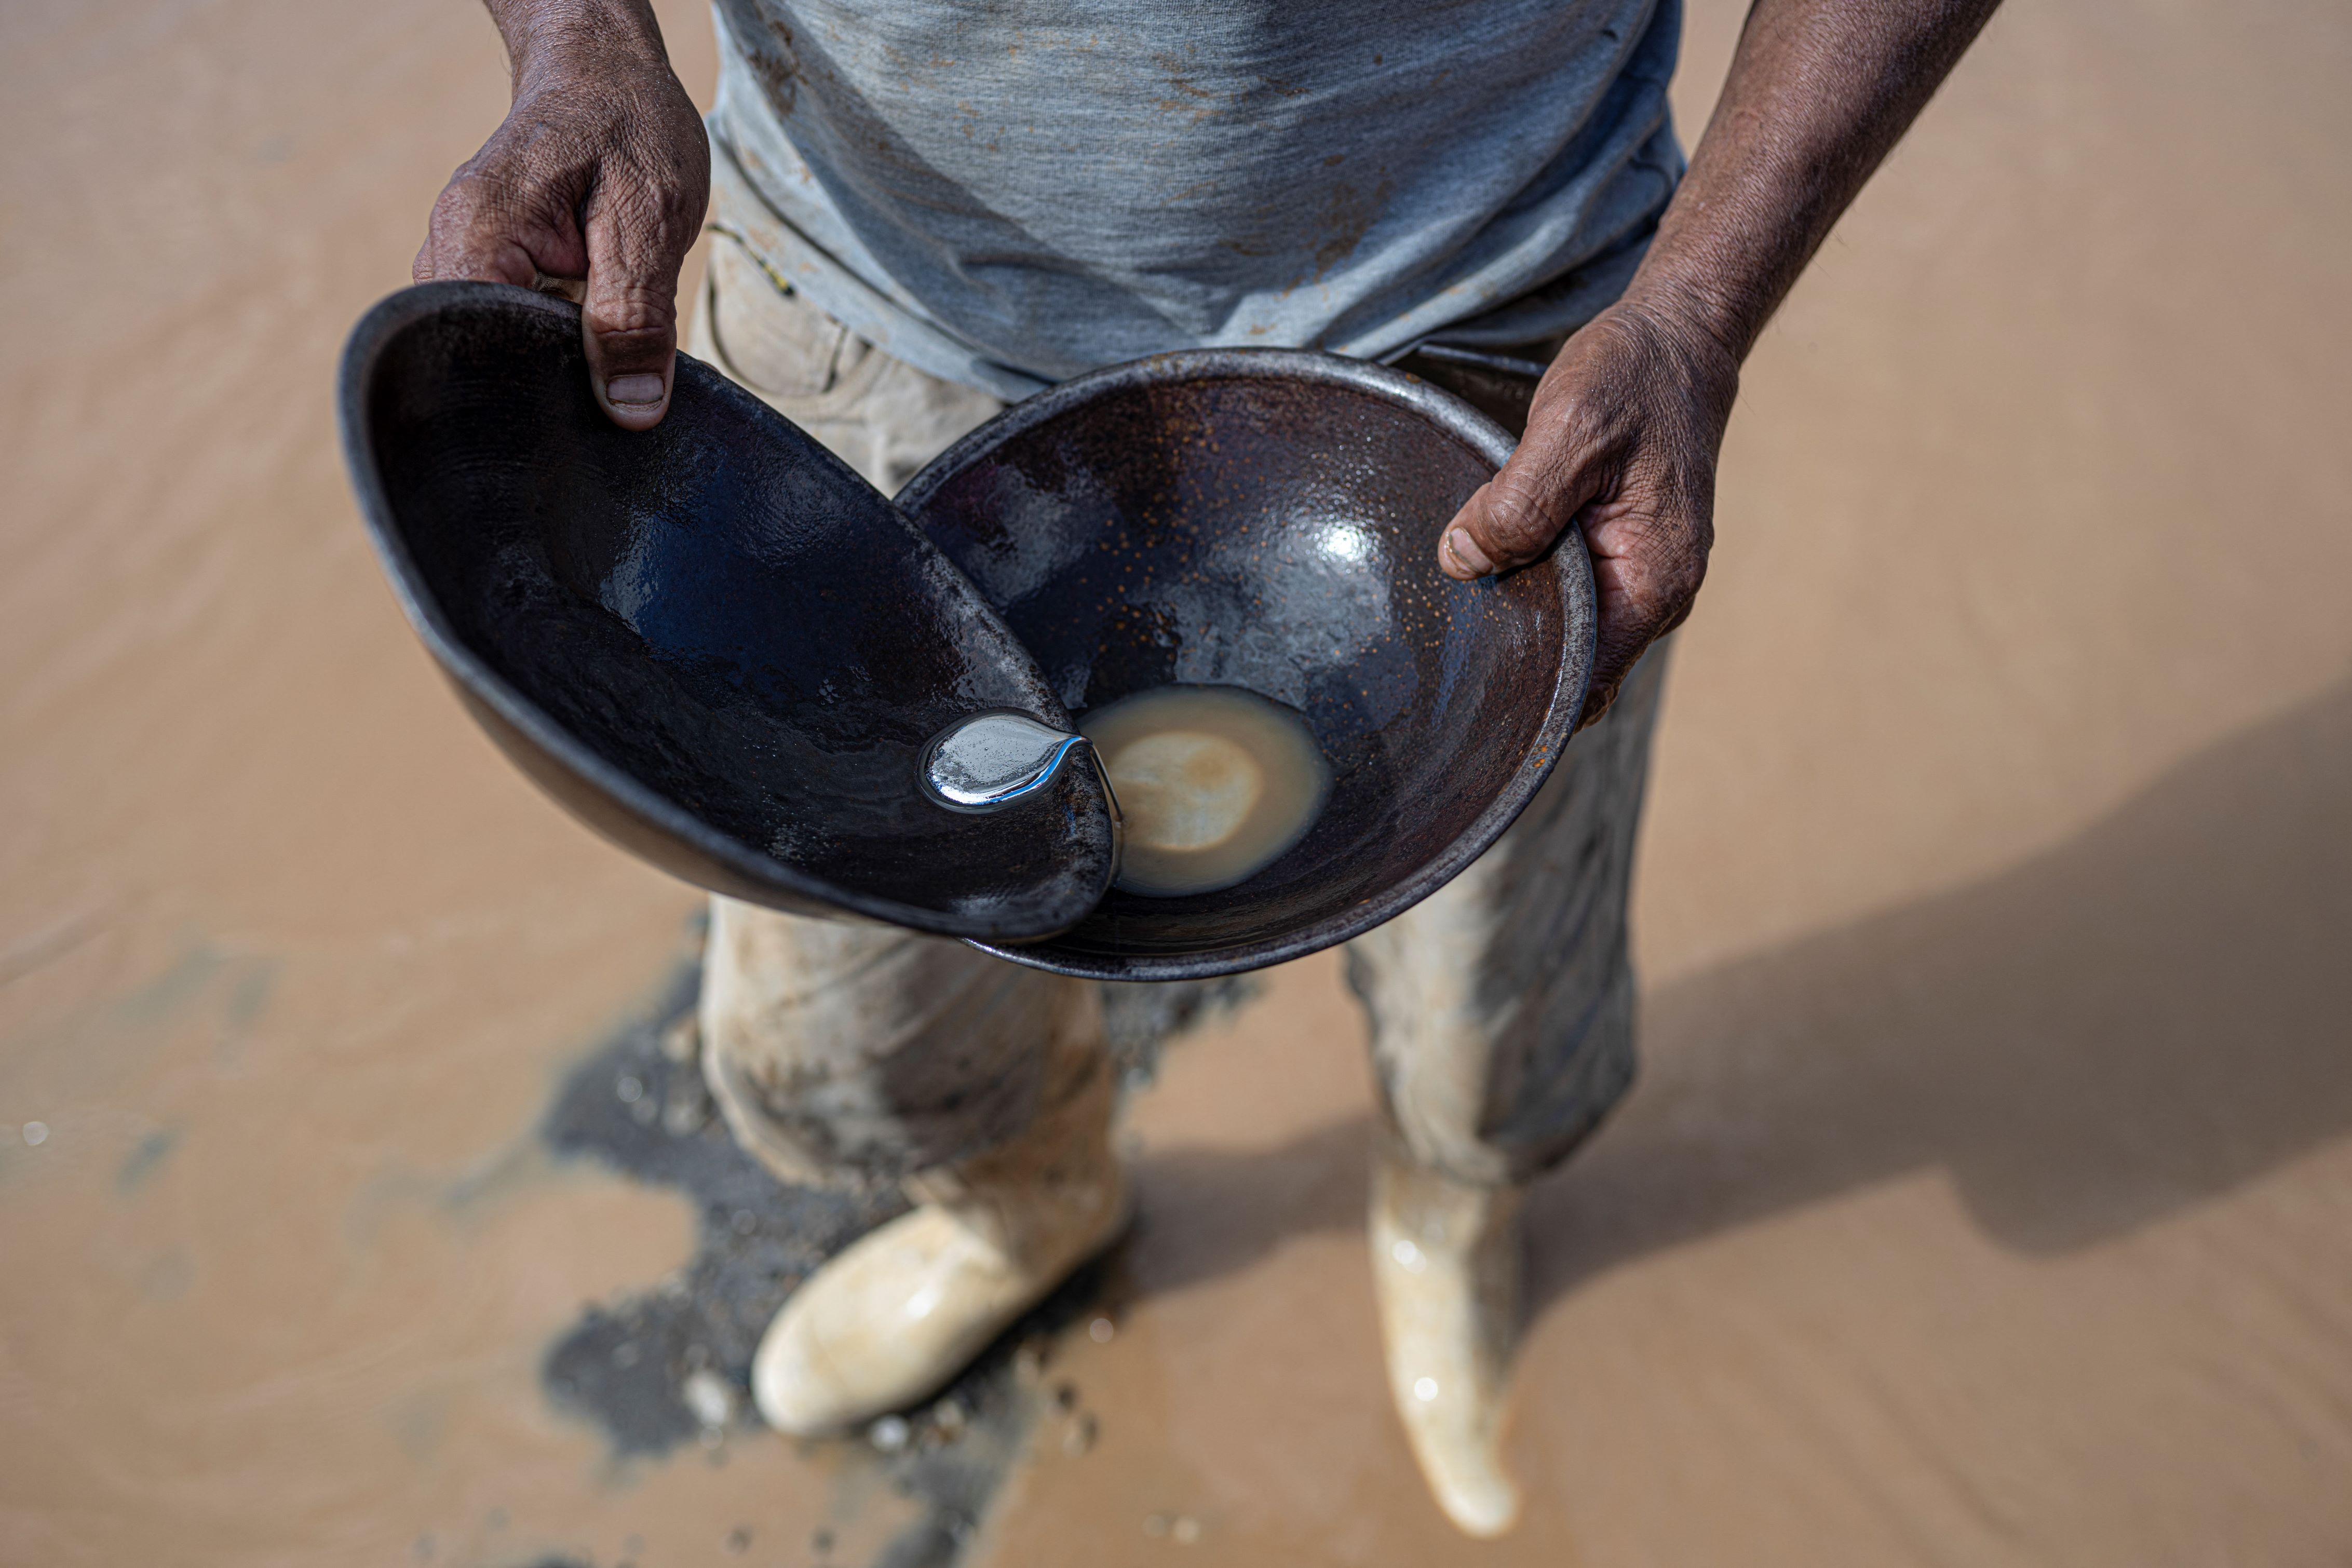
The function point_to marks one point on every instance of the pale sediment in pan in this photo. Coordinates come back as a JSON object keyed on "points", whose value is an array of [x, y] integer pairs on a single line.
{"points": [[1213, 783]]}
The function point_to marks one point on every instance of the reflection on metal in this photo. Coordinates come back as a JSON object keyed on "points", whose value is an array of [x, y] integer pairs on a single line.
{"points": [[990, 760], [1349, 543]]}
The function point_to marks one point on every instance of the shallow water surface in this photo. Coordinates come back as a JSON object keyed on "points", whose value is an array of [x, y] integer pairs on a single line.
{"points": [[1986, 1195]]}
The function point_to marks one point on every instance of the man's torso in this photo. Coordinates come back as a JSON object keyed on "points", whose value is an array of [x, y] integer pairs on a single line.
{"points": [[1057, 185]]}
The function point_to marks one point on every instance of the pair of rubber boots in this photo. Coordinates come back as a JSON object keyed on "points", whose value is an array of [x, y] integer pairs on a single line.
{"points": [[892, 1318]]}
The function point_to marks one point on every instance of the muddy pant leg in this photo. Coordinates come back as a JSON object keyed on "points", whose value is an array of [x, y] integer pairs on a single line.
{"points": [[1502, 1006], [1502, 1013], [845, 1052]]}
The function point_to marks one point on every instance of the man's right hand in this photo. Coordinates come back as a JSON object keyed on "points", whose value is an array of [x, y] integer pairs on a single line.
{"points": [[600, 172]]}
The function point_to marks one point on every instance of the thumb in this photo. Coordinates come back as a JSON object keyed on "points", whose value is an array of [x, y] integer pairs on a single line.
{"points": [[1515, 517], [628, 322]]}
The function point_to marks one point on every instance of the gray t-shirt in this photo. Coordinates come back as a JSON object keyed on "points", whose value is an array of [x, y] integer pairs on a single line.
{"points": [[1009, 192]]}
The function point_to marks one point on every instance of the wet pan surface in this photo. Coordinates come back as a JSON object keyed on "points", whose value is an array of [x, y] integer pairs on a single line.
{"points": [[712, 641], [1267, 520]]}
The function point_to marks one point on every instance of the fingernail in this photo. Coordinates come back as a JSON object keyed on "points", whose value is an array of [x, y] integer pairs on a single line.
{"points": [[1465, 551], [637, 389]]}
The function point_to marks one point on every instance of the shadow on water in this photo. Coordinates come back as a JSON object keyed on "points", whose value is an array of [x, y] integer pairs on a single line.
{"points": [[2147, 1016], [1205, 1212]]}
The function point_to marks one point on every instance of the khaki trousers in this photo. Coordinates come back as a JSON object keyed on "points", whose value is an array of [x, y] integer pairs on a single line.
{"points": [[1501, 1006]]}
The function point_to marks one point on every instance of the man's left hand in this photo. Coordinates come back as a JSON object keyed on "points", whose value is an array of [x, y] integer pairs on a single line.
{"points": [[1622, 440]]}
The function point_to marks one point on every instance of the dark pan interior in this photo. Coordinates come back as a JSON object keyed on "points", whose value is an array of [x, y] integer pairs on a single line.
{"points": [[1268, 520], [714, 641]]}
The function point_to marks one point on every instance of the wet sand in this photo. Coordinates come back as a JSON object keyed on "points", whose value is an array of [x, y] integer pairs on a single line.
{"points": [[1986, 1195]]}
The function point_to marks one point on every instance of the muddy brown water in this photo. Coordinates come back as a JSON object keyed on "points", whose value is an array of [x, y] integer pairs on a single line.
{"points": [[1986, 1195]]}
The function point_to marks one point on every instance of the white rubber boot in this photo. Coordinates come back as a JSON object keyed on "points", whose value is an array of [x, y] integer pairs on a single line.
{"points": [[1446, 1273], [900, 1312]]}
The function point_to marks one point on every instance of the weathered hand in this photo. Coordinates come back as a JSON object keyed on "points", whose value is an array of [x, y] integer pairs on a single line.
{"points": [[1622, 439], [600, 172]]}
